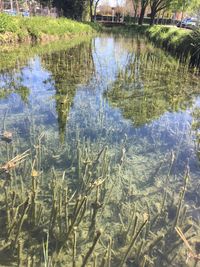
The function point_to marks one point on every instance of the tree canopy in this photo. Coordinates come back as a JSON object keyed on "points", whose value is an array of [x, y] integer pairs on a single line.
{"points": [[71, 8]]}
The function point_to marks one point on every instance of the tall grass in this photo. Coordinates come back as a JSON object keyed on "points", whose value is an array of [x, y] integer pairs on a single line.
{"points": [[37, 27], [181, 42]]}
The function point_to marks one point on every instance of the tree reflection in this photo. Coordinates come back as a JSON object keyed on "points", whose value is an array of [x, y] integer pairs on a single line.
{"points": [[11, 83], [69, 69], [151, 84]]}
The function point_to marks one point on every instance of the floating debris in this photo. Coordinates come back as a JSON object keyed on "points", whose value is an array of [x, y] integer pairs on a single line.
{"points": [[6, 136]]}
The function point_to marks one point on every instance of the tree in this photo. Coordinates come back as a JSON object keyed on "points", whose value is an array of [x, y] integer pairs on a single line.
{"points": [[156, 6], [144, 4], [105, 9], [71, 8], [93, 7], [135, 7], [194, 7], [1, 5], [133, 4], [181, 6]]}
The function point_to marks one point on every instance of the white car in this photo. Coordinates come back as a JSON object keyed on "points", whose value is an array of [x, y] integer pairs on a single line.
{"points": [[189, 23]]}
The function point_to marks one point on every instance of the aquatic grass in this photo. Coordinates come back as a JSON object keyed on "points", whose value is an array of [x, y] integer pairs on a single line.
{"points": [[97, 179], [62, 226]]}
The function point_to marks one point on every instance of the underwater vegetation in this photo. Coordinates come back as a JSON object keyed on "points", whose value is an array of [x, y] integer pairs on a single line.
{"points": [[52, 218], [85, 183]]}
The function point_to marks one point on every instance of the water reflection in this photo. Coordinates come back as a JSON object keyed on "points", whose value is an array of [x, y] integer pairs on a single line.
{"points": [[11, 83], [151, 84], [69, 69], [114, 116]]}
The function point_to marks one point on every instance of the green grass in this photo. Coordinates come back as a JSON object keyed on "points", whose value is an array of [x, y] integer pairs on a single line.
{"points": [[127, 29], [181, 42], [19, 28]]}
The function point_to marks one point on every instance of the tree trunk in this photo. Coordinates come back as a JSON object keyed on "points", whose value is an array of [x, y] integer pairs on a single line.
{"points": [[141, 18], [135, 15], [153, 14], [95, 9], [95, 12], [1, 5], [91, 13], [11, 5], [17, 6], [163, 17]]}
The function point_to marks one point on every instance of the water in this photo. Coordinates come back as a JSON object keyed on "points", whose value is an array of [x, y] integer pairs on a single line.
{"points": [[121, 99]]}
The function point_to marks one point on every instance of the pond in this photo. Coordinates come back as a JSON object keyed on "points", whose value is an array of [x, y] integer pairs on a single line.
{"points": [[99, 156]]}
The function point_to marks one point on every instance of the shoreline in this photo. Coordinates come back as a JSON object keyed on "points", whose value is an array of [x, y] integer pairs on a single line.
{"points": [[184, 44], [19, 30]]}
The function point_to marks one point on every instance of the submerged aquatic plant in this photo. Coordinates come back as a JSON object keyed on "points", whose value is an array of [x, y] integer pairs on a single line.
{"points": [[57, 218], [109, 195]]}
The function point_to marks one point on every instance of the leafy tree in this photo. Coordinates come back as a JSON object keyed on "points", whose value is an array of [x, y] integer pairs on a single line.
{"points": [[136, 4], [158, 5], [144, 4], [145, 88], [194, 7], [93, 8], [71, 8], [181, 6]]}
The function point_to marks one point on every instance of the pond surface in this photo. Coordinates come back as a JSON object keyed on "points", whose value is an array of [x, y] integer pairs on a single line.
{"points": [[121, 99]]}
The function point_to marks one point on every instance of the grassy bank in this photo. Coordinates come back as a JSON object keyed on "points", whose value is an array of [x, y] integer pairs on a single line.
{"points": [[181, 42], [35, 29], [127, 29]]}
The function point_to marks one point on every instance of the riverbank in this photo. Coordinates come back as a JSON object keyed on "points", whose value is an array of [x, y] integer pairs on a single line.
{"points": [[181, 42], [14, 30]]}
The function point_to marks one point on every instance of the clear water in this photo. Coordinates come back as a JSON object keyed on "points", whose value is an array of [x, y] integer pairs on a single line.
{"points": [[115, 92]]}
